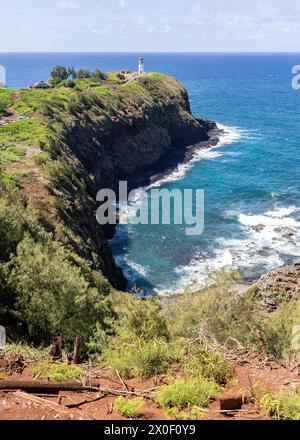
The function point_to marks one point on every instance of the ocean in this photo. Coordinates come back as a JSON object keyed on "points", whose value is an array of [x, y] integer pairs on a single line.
{"points": [[251, 178]]}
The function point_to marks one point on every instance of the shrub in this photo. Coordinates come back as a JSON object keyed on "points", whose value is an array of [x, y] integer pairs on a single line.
{"points": [[187, 392], [285, 406], [141, 359], [216, 309], [277, 328], [206, 363], [57, 372], [40, 159], [53, 297], [129, 408]]}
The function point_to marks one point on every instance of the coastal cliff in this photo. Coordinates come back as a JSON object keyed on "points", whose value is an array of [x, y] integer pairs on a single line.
{"points": [[100, 137]]}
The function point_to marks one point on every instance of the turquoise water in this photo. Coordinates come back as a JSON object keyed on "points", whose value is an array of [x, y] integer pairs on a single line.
{"points": [[251, 179]]}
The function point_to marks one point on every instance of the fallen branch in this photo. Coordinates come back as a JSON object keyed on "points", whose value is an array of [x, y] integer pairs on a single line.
{"points": [[39, 387], [122, 381], [85, 402], [144, 394]]}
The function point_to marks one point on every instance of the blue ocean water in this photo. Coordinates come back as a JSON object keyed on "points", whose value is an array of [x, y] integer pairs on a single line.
{"points": [[251, 179]]}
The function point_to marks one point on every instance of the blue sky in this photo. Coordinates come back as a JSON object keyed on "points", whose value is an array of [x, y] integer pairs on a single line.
{"points": [[149, 25]]}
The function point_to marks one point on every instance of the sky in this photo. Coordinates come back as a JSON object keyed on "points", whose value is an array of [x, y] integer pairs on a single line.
{"points": [[149, 25]]}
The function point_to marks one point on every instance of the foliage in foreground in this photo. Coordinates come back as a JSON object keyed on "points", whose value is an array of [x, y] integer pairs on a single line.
{"points": [[142, 359], [200, 361], [129, 408], [29, 353], [282, 407], [187, 392], [57, 372]]}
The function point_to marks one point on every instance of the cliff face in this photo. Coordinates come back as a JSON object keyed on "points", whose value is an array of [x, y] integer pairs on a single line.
{"points": [[278, 286], [126, 133], [142, 126]]}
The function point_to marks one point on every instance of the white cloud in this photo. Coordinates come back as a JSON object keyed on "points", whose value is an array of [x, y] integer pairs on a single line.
{"points": [[122, 4], [67, 4], [196, 8]]}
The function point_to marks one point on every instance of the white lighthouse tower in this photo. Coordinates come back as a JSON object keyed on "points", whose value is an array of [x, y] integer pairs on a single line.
{"points": [[141, 66]]}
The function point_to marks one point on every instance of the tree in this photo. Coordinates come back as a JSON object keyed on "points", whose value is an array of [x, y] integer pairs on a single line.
{"points": [[60, 72], [83, 74], [99, 75]]}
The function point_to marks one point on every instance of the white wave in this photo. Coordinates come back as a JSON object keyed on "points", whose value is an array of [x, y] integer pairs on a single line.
{"points": [[282, 212], [196, 273], [275, 230], [228, 136], [138, 268], [268, 239]]}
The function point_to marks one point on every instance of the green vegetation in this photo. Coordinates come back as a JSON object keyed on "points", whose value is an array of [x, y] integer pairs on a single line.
{"points": [[184, 392], [283, 406], [129, 408], [10, 153], [40, 159], [200, 361], [29, 353], [191, 413], [58, 372], [61, 72], [140, 359], [25, 130]]}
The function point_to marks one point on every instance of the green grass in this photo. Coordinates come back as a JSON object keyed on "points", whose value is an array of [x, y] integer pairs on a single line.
{"points": [[141, 359], [154, 77], [40, 159], [183, 393], [57, 372], [29, 102], [192, 413], [112, 77], [281, 407], [31, 131], [138, 90], [129, 408], [11, 153], [29, 353]]}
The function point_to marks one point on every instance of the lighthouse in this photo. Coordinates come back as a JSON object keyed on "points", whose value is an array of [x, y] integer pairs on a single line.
{"points": [[141, 66]]}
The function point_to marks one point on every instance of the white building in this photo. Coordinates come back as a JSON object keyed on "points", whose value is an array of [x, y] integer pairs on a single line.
{"points": [[141, 66]]}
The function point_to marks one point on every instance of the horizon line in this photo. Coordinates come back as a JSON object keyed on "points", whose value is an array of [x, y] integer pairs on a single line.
{"points": [[149, 52]]}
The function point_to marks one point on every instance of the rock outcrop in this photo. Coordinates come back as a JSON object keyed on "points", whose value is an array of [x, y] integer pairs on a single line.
{"points": [[279, 285]]}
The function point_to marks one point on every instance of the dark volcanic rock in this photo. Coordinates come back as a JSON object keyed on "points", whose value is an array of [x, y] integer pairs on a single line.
{"points": [[279, 285]]}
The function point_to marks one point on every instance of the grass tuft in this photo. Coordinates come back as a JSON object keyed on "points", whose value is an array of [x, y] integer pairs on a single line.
{"points": [[129, 408], [58, 372], [183, 393]]}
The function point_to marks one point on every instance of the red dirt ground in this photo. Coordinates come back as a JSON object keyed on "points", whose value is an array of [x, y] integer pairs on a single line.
{"points": [[16, 406]]}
